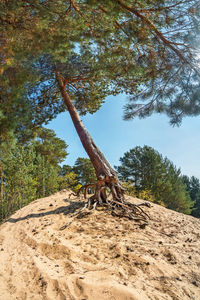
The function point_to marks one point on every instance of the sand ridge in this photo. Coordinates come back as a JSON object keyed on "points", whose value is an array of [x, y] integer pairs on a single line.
{"points": [[98, 257]]}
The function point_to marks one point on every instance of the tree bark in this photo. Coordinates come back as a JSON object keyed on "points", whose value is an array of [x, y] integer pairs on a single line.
{"points": [[106, 175], [99, 162]]}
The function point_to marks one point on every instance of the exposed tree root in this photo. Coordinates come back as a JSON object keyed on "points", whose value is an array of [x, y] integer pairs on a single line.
{"points": [[109, 195]]}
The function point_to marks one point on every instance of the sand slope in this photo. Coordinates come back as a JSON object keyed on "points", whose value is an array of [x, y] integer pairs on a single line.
{"points": [[98, 257]]}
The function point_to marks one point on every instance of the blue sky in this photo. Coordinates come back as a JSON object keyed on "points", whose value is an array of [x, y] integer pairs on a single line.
{"points": [[114, 136]]}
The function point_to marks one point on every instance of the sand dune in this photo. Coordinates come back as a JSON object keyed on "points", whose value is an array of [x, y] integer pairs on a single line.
{"points": [[97, 257]]}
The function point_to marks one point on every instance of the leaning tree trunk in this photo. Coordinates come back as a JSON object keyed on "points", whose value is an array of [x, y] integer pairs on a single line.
{"points": [[106, 175], [101, 165]]}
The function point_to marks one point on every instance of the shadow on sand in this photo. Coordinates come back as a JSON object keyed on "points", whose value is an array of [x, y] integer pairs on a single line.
{"points": [[69, 209]]}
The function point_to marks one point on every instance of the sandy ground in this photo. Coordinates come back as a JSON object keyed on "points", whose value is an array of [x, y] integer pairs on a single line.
{"points": [[98, 257]]}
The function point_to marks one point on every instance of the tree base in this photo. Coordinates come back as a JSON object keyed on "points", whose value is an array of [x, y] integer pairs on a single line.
{"points": [[109, 195]]}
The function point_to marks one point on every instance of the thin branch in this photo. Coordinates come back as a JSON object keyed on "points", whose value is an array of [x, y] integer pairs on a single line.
{"points": [[121, 27], [74, 79], [146, 10], [157, 33], [77, 8]]}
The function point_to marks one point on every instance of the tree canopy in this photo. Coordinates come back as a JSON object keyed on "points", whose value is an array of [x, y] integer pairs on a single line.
{"points": [[193, 187], [48, 145], [29, 171], [138, 47], [148, 171]]}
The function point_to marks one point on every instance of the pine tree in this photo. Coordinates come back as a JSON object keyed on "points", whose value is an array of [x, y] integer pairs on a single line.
{"points": [[49, 146], [85, 171], [68, 179], [30, 170], [148, 171], [50, 151], [18, 181], [88, 50], [193, 187]]}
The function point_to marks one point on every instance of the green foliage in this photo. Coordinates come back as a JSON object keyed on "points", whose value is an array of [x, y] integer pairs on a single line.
{"points": [[29, 171], [193, 188], [52, 148], [19, 185], [80, 174], [155, 177], [46, 176], [129, 188], [103, 47], [85, 171], [147, 195], [68, 179]]}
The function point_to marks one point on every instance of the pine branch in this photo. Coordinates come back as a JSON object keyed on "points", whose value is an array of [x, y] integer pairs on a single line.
{"points": [[158, 33], [77, 8], [74, 79], [146, 10], [121, 27]]}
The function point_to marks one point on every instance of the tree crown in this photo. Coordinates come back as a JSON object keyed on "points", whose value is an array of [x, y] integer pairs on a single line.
{"points": [[146, 49]]}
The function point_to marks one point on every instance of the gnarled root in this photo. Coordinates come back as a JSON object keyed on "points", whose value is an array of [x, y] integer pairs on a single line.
{"points": [[110, 195]]}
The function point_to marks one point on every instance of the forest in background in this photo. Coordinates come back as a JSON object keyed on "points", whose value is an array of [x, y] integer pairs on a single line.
{"points": [[34, 169]]}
